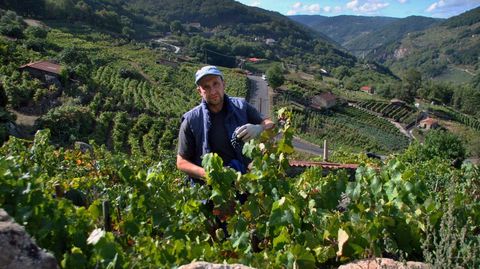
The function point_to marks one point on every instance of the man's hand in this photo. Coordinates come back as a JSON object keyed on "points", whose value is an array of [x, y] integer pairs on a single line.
{"points": [[249, 131]]}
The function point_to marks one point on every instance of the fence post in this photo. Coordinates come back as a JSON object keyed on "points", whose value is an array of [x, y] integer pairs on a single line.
{"points": [[325, 150], [107, 221]]}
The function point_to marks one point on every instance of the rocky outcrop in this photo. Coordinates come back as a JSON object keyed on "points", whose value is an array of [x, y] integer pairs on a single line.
{"points": [[206, 265], [18, 250], [383, 263], [400, 53]]}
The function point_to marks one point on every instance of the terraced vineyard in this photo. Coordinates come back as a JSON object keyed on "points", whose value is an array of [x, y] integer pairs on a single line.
{"points": [[465, 119], [399, 113], [351, 128]]}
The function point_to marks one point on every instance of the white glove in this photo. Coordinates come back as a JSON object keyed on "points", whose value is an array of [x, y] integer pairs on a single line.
{"points": [[249, 131]]}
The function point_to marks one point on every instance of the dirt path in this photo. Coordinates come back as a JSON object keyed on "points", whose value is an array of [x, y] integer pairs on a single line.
{"points": [[25, 124]]}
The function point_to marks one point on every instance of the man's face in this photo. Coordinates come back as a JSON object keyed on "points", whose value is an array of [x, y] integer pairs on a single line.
{"points": [[212, 89]]}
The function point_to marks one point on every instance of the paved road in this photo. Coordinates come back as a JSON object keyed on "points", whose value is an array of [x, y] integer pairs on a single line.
{"points": [[304, 146], [260, 98], [260, 95], [162, 41]]}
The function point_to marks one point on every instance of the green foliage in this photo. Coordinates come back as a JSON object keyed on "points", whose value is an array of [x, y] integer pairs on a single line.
{"points": [[398, 112], [160, 221], [466, 19], [10, 24], [275, 76], [21, 88], [375, 42], [344, 28], [441, 52], [36, 32], [467, 99], [68, 123], [438, 92], [444, 145], [412, 81]]}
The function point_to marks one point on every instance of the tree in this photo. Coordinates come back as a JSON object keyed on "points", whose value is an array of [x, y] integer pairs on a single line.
{"points": [[275, 76], [68, 123], [412, 81], [176, 27], [36, 32], [443, 144], [73, 56]]}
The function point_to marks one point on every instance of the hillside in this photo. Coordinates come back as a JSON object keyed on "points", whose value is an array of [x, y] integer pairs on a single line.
{"points": [[448, 51], [343, 29], [96, 182], [389, 33], [223, 27]]}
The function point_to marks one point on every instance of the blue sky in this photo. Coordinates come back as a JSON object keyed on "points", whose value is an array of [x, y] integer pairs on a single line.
{"points": [[390, 8]]}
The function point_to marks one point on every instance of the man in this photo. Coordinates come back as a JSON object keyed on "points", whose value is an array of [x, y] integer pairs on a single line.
{"points": [[210, 126]]}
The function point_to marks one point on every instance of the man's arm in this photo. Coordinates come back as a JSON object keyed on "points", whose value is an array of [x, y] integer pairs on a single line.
{"points": [[190, 168], [186, 153]]}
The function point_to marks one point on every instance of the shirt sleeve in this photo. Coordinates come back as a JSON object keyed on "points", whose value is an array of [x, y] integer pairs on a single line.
{"points": [[186, 142], [253, 115]]}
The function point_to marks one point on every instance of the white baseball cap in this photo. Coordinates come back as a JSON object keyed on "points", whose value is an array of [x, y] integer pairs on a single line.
{"points": [[207, 70]]}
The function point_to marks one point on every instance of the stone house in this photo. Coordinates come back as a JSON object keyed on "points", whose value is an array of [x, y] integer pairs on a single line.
{"points": [[367, 89], [45, 71], [324, 100], [428, 123]]}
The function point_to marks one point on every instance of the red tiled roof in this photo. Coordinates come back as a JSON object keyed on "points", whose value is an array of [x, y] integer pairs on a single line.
{"points": [[429, 121], [44, 66], [366, 88], [253, 60]]}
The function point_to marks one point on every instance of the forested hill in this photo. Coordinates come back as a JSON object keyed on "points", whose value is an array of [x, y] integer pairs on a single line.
{"points": [[157, 15], [224, 26], [343, 29], [447, 51], [390, 33]]}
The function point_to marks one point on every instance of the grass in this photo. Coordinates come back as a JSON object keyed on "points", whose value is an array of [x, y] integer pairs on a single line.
{"points": [[454, 74], [469, 136], [260, 67], [357, 95]]}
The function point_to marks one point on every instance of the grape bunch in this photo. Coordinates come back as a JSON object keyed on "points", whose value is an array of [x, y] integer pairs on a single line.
{"points": [[236, 142]]}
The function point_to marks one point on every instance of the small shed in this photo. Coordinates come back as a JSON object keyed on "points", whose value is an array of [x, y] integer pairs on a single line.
{"points": [[42, 69], [367, 89], [324, 100], [429, 123], [46, 71]]}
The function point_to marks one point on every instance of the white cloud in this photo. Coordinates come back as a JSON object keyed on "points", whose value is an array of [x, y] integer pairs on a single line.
{"points": [[402, 1], [352, 5], [313, 8], [255, 3], [337, 9], [327, 9], [447, 8], [368, 6], [299, 7]]}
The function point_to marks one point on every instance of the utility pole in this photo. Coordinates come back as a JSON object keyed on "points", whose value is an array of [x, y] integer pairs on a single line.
{"points": [[325, 150]]}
